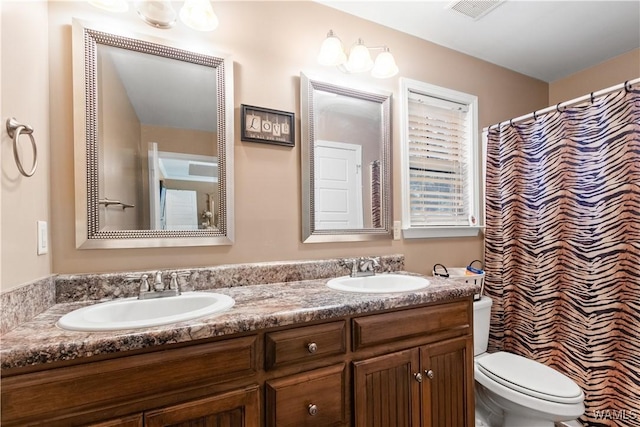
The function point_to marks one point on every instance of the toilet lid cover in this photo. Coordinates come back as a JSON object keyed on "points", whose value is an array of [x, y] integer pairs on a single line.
{"points": [[529, 377]]}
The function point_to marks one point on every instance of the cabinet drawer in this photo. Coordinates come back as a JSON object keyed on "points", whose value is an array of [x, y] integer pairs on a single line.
{"points": [[91, 386], [450, 319], [305, 343], [314, 398]]}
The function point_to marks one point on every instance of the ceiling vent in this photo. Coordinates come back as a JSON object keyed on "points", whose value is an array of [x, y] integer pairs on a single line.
{"points": [[474, 9]]}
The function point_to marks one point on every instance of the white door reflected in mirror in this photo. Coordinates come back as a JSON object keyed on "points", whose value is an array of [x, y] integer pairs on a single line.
{"points": [[338, 185]]}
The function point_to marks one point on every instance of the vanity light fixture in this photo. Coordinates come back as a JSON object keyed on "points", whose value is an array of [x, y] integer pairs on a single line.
{"points": [[196, 14], [385, 65], [359, 59], [199, 15], [157, 13]]}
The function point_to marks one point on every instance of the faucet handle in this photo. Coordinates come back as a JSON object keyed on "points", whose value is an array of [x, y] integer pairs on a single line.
{"points": [[367, 265], [347, 262], [350, 263], [144, 283], [174, 282], [143, 279]]}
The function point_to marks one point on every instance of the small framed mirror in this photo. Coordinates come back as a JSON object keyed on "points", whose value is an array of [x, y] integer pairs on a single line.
{"points": [[346, 163], [153, 142]]}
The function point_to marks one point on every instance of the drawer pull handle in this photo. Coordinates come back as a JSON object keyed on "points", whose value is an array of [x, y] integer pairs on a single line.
{"points": [[418, 377], [313, 409], [429, 374], [312, 347]]}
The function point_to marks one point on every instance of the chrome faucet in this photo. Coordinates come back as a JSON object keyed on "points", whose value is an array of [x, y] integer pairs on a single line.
{"points": [[158, 290], [360, 267], [157, 283], [367, 266]]}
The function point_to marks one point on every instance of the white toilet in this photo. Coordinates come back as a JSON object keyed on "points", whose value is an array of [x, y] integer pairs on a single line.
{"points": [[513, 391]]}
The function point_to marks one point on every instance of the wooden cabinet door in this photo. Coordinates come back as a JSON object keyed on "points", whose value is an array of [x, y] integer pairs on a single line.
{"points": [[238, 408], [387, 393], [448, 392]]}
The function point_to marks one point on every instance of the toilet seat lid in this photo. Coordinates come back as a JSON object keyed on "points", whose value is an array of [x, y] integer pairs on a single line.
{"points": [[530, 377]]}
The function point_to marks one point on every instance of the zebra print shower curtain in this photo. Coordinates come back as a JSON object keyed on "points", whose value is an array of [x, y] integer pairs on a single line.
{"points": [[562, 253]]}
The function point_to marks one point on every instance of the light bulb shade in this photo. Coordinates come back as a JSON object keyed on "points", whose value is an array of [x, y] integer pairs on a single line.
{"points": [[385, 66], [331, 51], [111, 5], [157, 13], [359, 59], [199, 15]]}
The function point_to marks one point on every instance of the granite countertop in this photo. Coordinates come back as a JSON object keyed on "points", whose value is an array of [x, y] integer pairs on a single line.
{"points": [[257, 307]]}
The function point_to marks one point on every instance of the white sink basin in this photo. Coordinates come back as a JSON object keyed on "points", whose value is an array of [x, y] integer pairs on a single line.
{"points": [[131, 313], [380, 283]]}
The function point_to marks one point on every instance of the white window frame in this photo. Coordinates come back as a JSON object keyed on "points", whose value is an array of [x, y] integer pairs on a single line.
{"points": [[471, 101]]}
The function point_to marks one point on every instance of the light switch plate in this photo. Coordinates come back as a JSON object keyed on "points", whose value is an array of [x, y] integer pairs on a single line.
{"points": [[43, 238], [397, 232]]}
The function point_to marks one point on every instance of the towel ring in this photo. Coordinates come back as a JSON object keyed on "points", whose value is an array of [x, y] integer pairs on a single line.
{"points": [[15, 129]]}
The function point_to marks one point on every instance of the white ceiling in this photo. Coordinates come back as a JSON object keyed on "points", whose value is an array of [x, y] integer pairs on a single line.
{"points": [[547, 40]]}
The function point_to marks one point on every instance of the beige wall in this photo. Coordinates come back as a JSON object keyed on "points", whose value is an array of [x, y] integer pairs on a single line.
{"points": [[271, 43], [176, 140], [609, 73], [25, 96], [119, 153]]}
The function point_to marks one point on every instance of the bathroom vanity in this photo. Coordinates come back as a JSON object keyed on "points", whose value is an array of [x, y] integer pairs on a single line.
{"points": [[287, 354]]}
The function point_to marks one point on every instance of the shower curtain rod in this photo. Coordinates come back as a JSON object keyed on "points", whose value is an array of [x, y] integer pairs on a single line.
{"points": [[565, 104]]}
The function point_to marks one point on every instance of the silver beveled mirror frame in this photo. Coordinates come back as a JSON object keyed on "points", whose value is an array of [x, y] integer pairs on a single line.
{"points": [[88, 234], [309, 233]]}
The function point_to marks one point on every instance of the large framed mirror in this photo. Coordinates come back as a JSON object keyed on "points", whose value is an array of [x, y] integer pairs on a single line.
{"points": [[153, 129], [346, 163]]}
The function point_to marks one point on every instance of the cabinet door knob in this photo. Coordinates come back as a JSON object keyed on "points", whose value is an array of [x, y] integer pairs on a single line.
{"points": [[312, 409], [312, 347], [418, 377], [429, 374]]}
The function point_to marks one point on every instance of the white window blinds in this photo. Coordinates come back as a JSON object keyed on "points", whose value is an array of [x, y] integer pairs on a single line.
{"points": [[439, 161]]}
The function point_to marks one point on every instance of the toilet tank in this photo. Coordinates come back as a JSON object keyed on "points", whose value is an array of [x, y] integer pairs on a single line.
{"points": [[481, 317]]}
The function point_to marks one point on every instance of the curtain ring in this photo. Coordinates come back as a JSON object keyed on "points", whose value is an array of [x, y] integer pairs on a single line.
{"points": [[627, 87], [15, 129], [535, 115], [511, 122], [558, 108], [592, 99]]}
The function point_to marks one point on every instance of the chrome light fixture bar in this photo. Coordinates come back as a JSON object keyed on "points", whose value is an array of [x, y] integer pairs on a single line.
{"points": [[359, 60]]}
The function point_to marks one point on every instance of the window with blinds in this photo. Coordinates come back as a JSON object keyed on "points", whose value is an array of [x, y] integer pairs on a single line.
{"points": [[440, 189]]}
